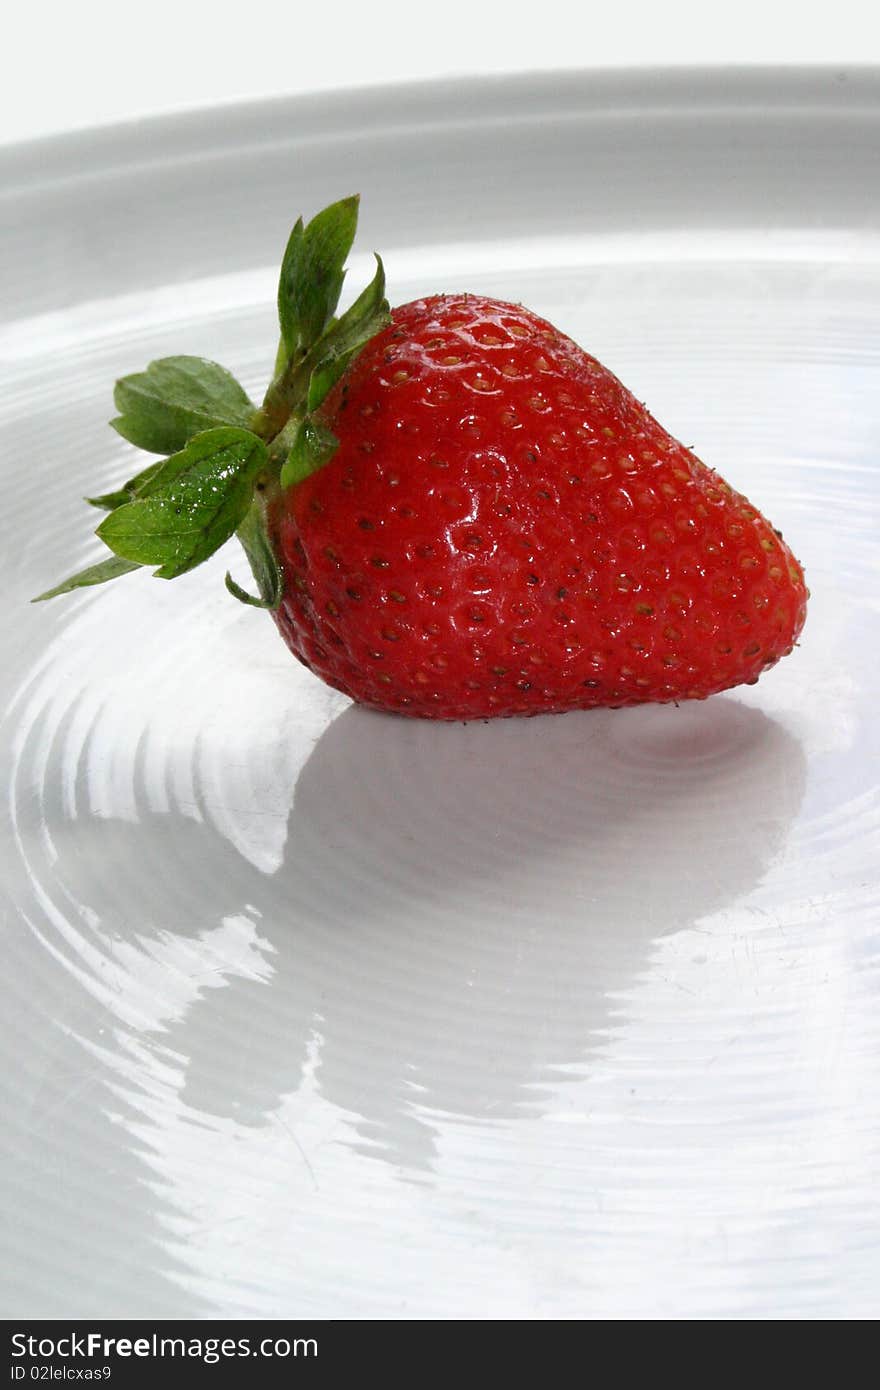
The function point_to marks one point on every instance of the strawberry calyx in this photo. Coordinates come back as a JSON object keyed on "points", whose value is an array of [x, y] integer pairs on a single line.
{"points": [[225, 459]]}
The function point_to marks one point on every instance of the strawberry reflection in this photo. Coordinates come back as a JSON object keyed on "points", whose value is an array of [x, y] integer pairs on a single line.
{"points": [[445, 942], [458, 906]]}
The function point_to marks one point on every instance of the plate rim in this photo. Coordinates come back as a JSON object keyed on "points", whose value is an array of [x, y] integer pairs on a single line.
{"points": [[840, 89]]}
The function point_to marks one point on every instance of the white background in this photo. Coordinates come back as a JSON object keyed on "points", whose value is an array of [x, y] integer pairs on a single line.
{"points": [[86, 62]]}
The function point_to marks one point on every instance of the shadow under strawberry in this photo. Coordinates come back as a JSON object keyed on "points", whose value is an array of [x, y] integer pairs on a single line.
{"points": [[457, 912], [458, 906]]}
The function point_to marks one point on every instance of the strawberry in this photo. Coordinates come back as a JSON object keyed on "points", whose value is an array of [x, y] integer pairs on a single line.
{"points": [[452, 510]]}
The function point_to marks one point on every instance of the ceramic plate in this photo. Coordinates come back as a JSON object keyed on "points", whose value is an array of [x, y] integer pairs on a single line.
{"points": [[312, 1011]]}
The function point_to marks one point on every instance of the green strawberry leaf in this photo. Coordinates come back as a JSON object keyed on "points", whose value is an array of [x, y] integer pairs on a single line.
{"points": [[312, 274], [362, 321], [313, 446], [109, 501], [224, 458], [191, 505], [243, 596], [175, 398], [325, 376], [266, 570], [111, 568], [280, 358]]}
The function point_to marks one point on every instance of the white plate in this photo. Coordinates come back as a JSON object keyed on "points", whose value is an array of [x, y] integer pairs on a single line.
{"points": [[313, 1011]]}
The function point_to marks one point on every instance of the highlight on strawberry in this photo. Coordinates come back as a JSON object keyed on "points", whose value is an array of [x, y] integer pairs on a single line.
{"points": [[450, 509]]}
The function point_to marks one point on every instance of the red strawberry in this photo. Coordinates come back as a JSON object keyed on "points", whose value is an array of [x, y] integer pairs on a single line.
{"points": [[506, 530], [452, 511]]}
